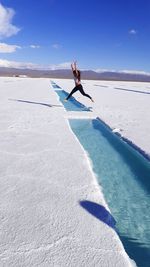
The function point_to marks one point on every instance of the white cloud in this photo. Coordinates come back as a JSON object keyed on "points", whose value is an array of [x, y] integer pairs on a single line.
{"points": [[135, 72], [5, 48], [65, 65], [56, 46], [138, 72], [7, 29], [104, 70], [34, 46], [133, 32], [29, 65], [15, 64]]}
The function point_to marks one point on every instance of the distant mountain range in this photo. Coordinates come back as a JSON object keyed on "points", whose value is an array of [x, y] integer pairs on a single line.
{"points": [[67, 74]]}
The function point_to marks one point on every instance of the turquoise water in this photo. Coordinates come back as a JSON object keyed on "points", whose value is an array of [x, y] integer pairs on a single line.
{"points": [[72, 104], [55, 86], [125, 178]]}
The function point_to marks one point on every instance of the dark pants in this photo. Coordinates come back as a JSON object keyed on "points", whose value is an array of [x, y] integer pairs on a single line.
{"points": [[78, 88]]}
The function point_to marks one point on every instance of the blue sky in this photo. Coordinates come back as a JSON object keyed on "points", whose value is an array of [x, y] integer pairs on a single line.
{"points": [[99, 34]]}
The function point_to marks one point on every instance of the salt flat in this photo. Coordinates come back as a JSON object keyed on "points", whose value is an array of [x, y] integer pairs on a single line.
{"points": [[45, 173], [122, 105]]}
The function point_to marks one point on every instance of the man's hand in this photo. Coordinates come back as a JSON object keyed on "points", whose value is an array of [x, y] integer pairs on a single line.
{"points": [[75, 65], [72, 66]]}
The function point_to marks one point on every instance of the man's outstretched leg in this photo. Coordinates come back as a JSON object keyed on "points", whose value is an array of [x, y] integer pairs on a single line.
{"points": [[83, 93], [71, 93]]}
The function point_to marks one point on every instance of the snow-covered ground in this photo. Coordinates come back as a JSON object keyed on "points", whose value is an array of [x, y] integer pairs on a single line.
{"points": [[45, 173]]}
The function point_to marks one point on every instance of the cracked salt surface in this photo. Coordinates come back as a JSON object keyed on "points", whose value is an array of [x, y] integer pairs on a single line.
{"points": [[44, 174]]}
